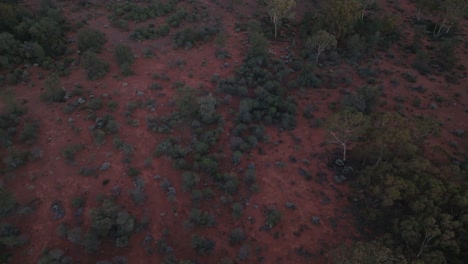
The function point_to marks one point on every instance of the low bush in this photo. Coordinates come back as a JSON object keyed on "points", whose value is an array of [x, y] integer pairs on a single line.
{"points": [[96, 68], [90, 39]]}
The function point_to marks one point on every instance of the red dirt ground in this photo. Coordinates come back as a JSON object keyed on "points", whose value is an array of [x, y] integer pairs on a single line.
{"points": [[51, 178]]}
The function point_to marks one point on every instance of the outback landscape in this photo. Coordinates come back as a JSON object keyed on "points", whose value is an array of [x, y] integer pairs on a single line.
{"points": [[233, 131]]}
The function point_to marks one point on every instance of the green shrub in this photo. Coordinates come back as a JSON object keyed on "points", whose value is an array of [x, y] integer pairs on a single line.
{"points": [[30, 132], [237, 209], [96, 67], [273, 217], [7, 201], [70, 151], [55, 255], [54, 91], [78, 202], [123, 54], [237, 236], [150, 32], [202, 245], [200, 218], [90, 40], [16, 158], [365, 99], [94, 104]]}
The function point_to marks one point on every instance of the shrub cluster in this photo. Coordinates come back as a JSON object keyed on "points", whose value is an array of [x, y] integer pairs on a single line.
{"points": [[150, 32], [188, 37]]}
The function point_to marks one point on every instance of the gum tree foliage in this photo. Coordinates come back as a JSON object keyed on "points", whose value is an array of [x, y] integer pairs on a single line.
{"points": [[346, 127], [279, 10], [320, 42], [422, 213], [366, 253], [410, 203], [364, 5], [449, 12], [30, 38], [341, 15]]}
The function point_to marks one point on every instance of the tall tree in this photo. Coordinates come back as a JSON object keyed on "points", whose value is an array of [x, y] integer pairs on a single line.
{"points": [[280, 9], [449, 12], [341, 16], [345, 127], [321, 41], [364, 5]]}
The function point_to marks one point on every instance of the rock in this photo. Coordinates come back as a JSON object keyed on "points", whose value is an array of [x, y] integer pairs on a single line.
{"points": [[105, 166], [315, 220], [290, 205], [71, 120], [139, 93], [58, 210], [81, 100], [124, 84]]}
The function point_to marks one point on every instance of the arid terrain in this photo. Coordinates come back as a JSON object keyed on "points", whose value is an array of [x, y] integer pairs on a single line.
{"points": [[194, 175]]}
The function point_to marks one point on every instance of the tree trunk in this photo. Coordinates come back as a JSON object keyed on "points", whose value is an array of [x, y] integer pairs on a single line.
{"points": [[276, 23], [344, 152], [317, 58]]}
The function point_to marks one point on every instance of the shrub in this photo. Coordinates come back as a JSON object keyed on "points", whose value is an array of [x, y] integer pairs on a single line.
{"points": [[94, 104], [237, 236], [190, 179], [54, 91], [7, 201], [16, 158], [364, 100], [200, 218], [90, 39], [78, 202], [237, 209], [70, 151], [202, 245], [55, 255], [148, 33], [273, 217], [125, 57], [30, 132], [96, 67]]}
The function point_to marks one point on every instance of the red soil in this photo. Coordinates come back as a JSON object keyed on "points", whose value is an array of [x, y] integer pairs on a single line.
{"points": [[51, 178]]}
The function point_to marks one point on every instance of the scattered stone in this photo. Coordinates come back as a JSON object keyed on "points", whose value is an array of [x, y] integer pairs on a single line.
{"points": [[105, 95], [315, 220], [124, 84], [79, 212], [292, 159], [339, 178], [81, 100], [157, 177], [58, 210], [290, 205], [71, 120], [139, 93], [171, 191], [339, 162], [105, 166], [116, 190]]}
